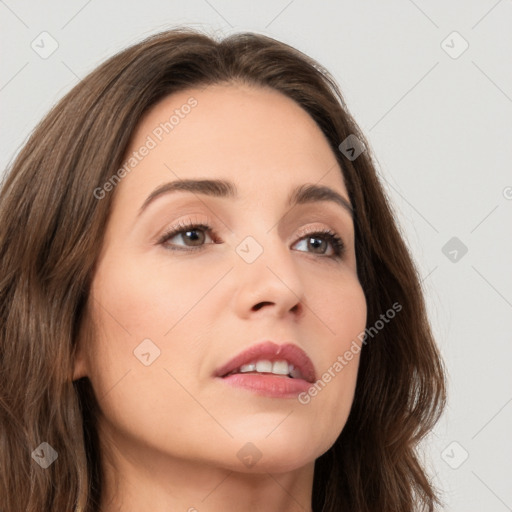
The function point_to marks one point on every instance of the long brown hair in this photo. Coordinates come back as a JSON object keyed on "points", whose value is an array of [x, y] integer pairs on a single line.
{"points": [[51, 231]]}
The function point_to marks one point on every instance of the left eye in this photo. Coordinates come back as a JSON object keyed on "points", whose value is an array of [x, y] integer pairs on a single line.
{"points": [[318, 242], [197, 234]]}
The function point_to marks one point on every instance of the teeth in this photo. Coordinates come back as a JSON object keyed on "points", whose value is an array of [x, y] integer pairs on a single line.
{"points": [[248, 368], [295, 373], [280, 367], [264, 366]]}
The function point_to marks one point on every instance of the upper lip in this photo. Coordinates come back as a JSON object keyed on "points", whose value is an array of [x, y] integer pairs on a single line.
{"points": [[272, 352]]}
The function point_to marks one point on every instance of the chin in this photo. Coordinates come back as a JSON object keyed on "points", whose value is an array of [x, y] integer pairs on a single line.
{"points": [[273, 464], [284, 453]]}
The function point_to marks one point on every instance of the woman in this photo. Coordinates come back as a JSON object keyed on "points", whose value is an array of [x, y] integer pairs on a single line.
{"points": [[206, 302]]}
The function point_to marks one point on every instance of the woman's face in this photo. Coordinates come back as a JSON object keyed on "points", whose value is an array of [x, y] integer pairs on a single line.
{"points": [[172, 311]]}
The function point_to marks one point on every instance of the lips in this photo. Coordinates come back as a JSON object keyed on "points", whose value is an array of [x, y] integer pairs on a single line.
{"points": [[262, 368]]}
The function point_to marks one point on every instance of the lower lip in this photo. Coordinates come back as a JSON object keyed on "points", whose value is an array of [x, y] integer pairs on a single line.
{"points": [[268, 385]]}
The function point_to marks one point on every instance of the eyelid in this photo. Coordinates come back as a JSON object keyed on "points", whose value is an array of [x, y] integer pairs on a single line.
{"points": [[183, 224]]}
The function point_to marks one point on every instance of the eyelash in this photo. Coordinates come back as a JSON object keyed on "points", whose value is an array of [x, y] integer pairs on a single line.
{"points": [[183, 226]]}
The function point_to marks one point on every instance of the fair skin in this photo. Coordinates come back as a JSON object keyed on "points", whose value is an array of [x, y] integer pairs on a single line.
{"points": [[171, 430]]}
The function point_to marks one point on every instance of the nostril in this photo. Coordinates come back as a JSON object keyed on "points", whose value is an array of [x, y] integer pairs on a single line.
{"points": [[260, 305]]}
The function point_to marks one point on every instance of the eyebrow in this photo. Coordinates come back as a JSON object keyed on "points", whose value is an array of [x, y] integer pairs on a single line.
{"points": [[303, 194]]}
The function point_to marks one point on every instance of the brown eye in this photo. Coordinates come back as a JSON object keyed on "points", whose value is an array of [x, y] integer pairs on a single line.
{"points": [[319, 242], [192, 235]]}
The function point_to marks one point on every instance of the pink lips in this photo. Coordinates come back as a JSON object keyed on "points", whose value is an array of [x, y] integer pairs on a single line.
{"points": [[269, 384]]}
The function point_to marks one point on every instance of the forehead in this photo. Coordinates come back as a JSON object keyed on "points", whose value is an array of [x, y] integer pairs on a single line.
{"points": [[250, 135]]}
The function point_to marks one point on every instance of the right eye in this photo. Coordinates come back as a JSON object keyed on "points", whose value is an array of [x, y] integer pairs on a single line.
{"points": [[189, 232]]}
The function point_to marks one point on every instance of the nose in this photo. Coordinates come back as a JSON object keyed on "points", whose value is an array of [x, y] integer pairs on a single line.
{"points": [[270, 285]]}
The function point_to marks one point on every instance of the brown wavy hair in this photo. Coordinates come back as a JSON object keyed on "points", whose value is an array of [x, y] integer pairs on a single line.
{"points": [[51, 231]]}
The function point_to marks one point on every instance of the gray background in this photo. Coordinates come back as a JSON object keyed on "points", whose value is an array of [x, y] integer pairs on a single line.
{"points": [[439, 122]]}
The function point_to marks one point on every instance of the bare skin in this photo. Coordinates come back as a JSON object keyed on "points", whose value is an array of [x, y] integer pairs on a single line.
{"points": [[171, 430]]}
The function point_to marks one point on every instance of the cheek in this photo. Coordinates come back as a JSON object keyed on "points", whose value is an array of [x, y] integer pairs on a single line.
{"points": [[149, 300], [342, 309], [134, 302], [340, 306], [136, 306]]}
